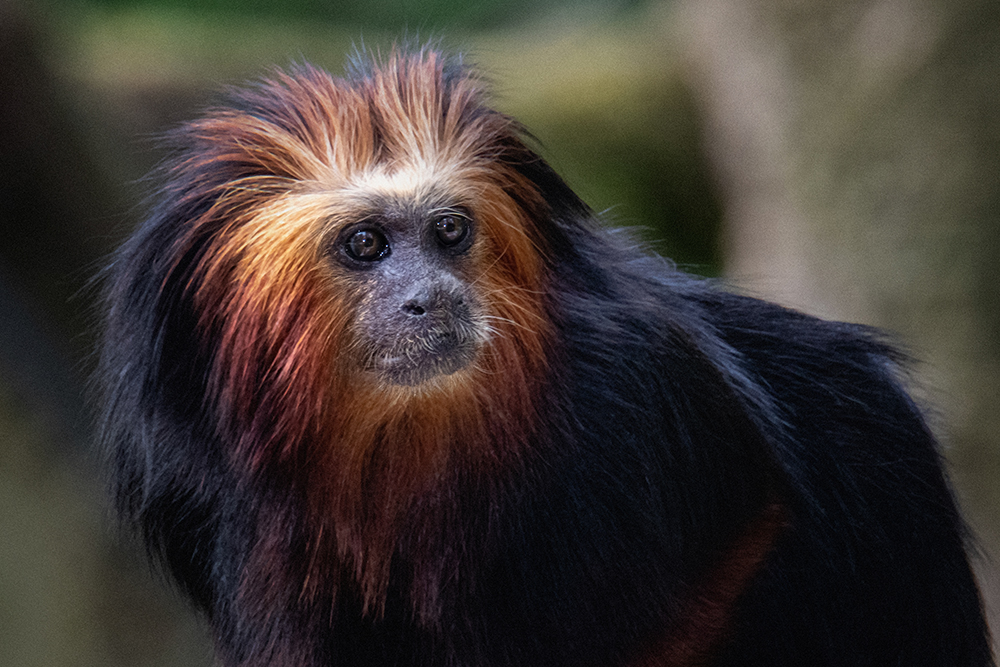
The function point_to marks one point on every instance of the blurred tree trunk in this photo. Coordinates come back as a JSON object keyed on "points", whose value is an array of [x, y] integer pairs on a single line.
{"points": [[857, 143]]}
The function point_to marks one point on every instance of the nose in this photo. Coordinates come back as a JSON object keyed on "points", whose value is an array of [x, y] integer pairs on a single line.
{"points": [[438, 300], [414, 308]]}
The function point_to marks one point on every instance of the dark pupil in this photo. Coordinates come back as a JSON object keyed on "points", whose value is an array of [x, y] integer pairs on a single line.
{"points": [[367, 244], [451, 229]]}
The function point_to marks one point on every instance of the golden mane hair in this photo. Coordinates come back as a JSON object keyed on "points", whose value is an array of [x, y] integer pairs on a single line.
{"points": [[282, 170]]}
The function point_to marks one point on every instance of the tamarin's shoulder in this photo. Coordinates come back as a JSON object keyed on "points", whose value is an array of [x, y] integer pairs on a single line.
{"points": [[621, 281]]}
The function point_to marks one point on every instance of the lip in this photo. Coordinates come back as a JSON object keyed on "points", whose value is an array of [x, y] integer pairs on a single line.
{"points": [[417, 360]]}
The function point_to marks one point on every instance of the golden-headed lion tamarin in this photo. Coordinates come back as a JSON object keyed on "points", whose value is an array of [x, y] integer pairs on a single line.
{"points": [[378, 390]]}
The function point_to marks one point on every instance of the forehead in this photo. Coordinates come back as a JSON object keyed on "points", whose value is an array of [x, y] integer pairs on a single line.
{"points": [[412, 180], [410, 185]]}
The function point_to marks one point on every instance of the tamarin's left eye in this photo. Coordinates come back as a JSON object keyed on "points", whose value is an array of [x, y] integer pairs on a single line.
{"points": [[367, 245], [451, 229]]}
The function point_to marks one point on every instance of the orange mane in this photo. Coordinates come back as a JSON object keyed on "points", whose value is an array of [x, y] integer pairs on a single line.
{"points": [[288, 165]]}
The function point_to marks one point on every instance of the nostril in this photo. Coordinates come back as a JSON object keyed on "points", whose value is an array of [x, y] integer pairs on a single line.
{"points": [[414, 308]]}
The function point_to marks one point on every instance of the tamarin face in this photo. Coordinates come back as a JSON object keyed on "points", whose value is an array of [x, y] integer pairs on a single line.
{"points": [[410, 262]]}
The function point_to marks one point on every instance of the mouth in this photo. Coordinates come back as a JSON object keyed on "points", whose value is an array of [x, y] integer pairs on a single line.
{"points": [[413, 361]]}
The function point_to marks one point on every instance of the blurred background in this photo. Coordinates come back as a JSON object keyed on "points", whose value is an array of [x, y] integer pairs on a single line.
{"points": [[840, 157]]}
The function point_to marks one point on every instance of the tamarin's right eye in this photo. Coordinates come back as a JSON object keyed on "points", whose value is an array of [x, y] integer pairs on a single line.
{"points": [[367, 245]]}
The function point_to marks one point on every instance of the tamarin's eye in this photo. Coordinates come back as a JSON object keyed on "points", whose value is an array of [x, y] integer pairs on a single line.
{"points": [[367, 245], [451, 229]]}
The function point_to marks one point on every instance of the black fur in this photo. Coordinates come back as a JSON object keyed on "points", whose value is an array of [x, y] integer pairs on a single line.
{"points": [[673, 412]]}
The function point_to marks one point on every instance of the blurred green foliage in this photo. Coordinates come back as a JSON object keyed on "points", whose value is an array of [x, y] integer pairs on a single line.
{"points": [[647, 173], [380, 14]]}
